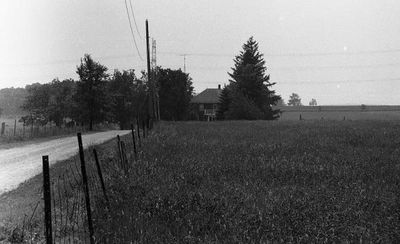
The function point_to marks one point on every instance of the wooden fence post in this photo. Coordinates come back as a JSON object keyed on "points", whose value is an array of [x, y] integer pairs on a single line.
{"points": [[47, 200], [31, 126], [144, 129], [138, 131], [133, 139], [124, 157], [3, 128], [86, 189], [103, 187], [15, 127], [120, 151]]}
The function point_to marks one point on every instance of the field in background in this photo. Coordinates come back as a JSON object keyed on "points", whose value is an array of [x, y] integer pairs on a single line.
{"points": [[340, 112]]}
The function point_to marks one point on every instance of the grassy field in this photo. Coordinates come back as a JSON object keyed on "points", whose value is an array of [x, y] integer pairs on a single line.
{"points": [[253, 182]]}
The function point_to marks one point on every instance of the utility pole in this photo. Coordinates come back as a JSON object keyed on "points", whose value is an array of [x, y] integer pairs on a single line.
{"points": [[184, 63], [156, 97], [149, 82]]}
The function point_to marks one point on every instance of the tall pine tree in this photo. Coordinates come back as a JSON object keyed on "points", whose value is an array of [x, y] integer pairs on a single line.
{"points": [[250, 81]]}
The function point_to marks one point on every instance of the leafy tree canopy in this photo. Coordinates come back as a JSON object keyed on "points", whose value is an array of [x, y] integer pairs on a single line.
{"points": [[313, 102], [294, 100], [128, 95], [91, 95], [175, 91]]}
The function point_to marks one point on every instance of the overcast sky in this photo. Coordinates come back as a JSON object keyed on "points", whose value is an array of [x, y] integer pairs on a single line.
{"points": [[336, 51]]}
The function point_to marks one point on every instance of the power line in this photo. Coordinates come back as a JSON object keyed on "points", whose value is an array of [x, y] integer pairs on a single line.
{"points": [[343, 53], [339, 81], [320, 82], [222, 68], [370, 66], [130, 25], [336, 66], [312, 54], [134, 19]]}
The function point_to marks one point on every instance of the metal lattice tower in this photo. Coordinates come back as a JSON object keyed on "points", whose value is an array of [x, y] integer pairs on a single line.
{"points": [[153, 54]]}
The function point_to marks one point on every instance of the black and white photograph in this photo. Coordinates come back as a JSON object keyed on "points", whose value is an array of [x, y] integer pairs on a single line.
{"points": [[182, 121]]}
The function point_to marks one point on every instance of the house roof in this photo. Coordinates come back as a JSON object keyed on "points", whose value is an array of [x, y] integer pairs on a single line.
{"points": [[209, 95]]}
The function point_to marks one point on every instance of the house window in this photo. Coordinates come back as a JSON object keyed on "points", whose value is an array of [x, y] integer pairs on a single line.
{"points": [[201, 107], [215, 106]]}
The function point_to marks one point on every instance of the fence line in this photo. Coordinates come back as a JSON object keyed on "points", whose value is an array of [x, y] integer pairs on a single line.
{"points": [[70, 199]]}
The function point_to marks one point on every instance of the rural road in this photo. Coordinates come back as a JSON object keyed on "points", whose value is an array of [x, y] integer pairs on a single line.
{"points": [[22, 163]]}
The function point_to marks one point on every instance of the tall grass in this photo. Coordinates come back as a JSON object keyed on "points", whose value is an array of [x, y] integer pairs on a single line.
{"points": [[252, 182]]}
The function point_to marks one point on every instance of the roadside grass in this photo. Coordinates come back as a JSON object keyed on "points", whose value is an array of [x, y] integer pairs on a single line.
{"points": [[252, 182]]}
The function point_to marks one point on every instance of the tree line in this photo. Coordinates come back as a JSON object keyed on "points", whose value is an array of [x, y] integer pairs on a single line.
{"points": [[120, 97], [100, 97]]}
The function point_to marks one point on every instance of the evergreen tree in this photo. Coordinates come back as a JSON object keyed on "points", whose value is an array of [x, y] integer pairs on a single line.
{"points": [[241, 107], [224, 101], [249, 78]]}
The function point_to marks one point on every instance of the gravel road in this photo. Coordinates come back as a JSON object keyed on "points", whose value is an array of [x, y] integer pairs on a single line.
{"points": [[22, 163]]}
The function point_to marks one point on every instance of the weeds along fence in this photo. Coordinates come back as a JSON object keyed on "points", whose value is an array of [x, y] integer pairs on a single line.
{"points": [[69, 200]]}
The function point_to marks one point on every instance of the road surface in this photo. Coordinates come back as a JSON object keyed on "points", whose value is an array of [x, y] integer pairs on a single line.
{"points": [[22, 163]]}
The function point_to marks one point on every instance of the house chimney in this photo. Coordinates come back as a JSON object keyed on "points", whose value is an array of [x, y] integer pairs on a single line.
{"points": [[219, 87]]}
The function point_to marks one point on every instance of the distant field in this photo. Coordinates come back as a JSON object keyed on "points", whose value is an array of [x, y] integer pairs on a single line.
{"points": [[340, 113]]}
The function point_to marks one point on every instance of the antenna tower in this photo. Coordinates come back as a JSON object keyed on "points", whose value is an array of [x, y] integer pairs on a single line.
{"points": [[153, 54]]}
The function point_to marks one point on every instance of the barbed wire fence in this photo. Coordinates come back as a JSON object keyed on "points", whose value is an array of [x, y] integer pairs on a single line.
{"points": [[69, 202]]}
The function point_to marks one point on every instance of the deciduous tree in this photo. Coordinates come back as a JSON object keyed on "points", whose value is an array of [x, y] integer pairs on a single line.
{"points": [[127, 97], [61, 100], [175, 91], [313, 102], [91, 97], [37, 101], [294, 100]]}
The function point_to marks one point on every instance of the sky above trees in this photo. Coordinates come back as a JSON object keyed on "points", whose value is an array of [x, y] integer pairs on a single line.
{"points": [[338, 52]]}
